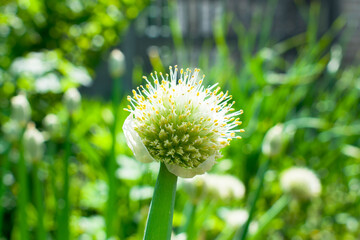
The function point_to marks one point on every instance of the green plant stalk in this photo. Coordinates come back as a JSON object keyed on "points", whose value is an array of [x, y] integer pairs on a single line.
{"points": [[203, 212], [188, 209], [274, 211], [189, 227], [52, 154], [39, 201], [159, 222], [23, 192], [267, 23], [253, 199], [5, 168], [225, 233], [64, 211], [111, 168]]}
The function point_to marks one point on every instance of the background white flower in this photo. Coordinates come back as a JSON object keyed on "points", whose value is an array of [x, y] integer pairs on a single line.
{"points": [[72, 100], [234, 217], [20, 109], [34, 145], [214, 186], [302, 183], [273, 142], [52, 124]]}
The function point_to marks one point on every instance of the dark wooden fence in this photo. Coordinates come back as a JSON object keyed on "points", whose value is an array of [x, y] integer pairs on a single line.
{"points": [[151, 30]]}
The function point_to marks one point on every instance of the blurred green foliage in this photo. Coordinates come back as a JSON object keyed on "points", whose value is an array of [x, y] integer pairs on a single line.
{"points": [[311, 92], [81, 30]]}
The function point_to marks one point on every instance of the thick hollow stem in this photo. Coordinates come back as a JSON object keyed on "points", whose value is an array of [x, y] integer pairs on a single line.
{"points": [[41, 235], [53, 176], [112, 162], [23, 192], [274, 211], [189, 212], [253, 200], [190, 224], [5, 165], [159, 222], [63, 231]]}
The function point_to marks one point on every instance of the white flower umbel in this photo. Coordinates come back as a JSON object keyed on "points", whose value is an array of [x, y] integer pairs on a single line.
{"points": [[117, 64], [72, 100], [224, 187], [177, 121], [20, 109], [195, 188], [273, 141], [34, 145], [235, 217], [301, 183], [52, 124], [11, 130], [220, 187]]}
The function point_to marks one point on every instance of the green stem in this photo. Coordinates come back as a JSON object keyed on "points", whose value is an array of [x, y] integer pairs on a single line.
{"points": [[225, 233], [64, 211], [41, 235], [253, 199], [23, 192], [187, 212], [5, 168], [190, 222], [112, 162], [274, 211], [159, 222], [52, 156]]}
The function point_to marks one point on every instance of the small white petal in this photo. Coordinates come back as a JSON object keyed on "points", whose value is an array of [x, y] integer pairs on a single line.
{"points": [[134, 142], [191, 172]]}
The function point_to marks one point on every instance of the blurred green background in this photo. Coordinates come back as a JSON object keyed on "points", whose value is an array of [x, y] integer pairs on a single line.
{"points": [[290, 62]]}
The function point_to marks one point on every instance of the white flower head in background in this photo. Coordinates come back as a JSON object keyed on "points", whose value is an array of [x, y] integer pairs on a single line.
{"points": [[219, 187], [72, 100], [20, 109], [224, 187], [179, 122], [273, 142], [195, 188], [34, 145], [11, 130], [301, 183], [117, 64], [234, 217], [52, 124]]}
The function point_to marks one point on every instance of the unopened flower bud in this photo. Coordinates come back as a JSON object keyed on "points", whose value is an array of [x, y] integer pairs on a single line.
{"points": [[220, 187], [107, 116], [195, 188], [51, 124], [20, 109], [301, 183], [33, 143], [11, 130], [273, 141], [117, 64], [72, 99], [234, 218], [224, 187]]}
